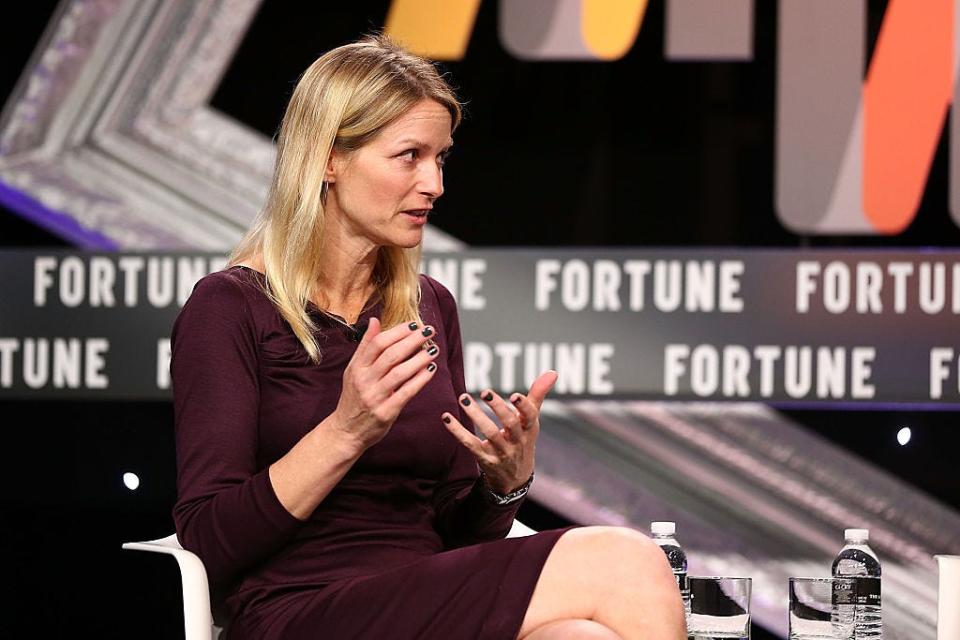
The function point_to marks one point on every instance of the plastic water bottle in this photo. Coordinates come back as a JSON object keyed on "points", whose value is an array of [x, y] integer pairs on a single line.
{"points": [[861, 607], [663, 535]]}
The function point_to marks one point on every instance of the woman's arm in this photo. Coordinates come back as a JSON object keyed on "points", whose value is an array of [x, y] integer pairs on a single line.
{"points": [[464, 515], [231, 512], [309, 471]]}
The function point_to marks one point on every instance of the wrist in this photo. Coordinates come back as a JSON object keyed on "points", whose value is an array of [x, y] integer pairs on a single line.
{"points": [[499, 497], [345, 442]]}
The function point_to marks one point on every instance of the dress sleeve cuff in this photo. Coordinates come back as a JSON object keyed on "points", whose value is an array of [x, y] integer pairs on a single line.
{"points": [[272, 510]]}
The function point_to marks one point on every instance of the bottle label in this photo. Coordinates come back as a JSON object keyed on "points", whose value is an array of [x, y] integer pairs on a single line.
{"points": [[683, 582], [844, 591], [868, 591]]}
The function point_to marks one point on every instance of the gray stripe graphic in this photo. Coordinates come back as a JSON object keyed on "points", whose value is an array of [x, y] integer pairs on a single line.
{"points": [[709, 30], [543, 30], [821, 55]]}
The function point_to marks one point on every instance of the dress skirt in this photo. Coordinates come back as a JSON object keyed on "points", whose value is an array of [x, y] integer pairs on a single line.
{"points": [[479, 592]]}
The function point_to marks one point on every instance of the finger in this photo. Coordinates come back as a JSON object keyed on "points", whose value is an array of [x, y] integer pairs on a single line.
{"points": [[467, 438], [508, 416], [369, 350], [541, 386], [410, 388], [401, 350], [487, 427], [410, 367], [529, 411]]}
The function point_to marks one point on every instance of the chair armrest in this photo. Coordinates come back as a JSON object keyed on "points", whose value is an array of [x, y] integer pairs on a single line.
{"points": [[519, 530], [197, 619]]}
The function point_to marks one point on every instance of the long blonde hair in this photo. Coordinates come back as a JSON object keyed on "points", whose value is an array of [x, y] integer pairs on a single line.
{"points": [[342, 101]]}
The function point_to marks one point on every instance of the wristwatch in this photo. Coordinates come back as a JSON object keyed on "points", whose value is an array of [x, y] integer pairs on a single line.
{"points": [[500, 499]]}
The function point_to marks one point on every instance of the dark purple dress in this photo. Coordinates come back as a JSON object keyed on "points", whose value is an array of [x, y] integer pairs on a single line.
{"points": [[404, 546]]}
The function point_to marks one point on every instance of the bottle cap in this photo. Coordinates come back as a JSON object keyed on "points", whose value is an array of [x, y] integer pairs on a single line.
{"points": [[856, 535], [663, 528]]}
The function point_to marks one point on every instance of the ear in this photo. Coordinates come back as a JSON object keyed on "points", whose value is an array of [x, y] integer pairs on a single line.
{"points": [[334, 163]]}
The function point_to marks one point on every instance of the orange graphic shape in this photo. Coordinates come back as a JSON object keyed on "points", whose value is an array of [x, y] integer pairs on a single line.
{"points": [[610, 27], [906, 97], [436, 29]]}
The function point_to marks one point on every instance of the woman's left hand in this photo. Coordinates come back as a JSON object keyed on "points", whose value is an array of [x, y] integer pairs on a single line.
{"points": [[506, 456]]}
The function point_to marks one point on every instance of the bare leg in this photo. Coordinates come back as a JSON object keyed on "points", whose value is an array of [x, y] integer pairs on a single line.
{"points": [[615, 576], [573, 630]]}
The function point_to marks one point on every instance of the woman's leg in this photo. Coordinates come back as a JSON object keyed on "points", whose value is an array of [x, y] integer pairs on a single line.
{"points": [[615, 576], [573, 630]]}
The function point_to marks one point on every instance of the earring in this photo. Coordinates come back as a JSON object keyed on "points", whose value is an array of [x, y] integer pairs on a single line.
{"points": [[323, 192]]}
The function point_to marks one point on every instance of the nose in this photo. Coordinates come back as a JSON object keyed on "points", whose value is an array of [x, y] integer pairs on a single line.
{"points": [[431, 181]]}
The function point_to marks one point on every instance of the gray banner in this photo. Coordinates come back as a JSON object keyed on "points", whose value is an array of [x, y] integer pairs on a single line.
{"points": [[779, 326]]}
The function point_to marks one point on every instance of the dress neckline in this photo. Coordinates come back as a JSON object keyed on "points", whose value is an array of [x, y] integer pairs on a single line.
{"points": [[368, 306]]}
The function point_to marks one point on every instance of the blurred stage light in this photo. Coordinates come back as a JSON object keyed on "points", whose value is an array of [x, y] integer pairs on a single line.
{"points": [[131, 480], [903, 436]]}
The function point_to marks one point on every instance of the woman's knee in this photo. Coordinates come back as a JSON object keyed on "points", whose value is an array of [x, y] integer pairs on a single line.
{"points": [[592, 568], [620, 554]]}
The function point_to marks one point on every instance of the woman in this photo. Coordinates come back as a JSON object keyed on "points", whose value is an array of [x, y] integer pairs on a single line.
{"points": [[327, 473]]}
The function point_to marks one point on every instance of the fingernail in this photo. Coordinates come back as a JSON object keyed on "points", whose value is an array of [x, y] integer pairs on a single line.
{"points": [[427, 332], [488, 396], [446, 419], [432, 350], [515, 399], [431, 367], [465, 401], [413, 326]]}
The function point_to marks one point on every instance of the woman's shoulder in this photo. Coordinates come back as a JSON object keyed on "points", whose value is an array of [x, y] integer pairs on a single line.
{"points": [[231, 290]]}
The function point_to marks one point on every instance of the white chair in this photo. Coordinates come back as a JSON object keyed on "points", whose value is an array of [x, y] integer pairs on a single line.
{"points": [[197, 617]]}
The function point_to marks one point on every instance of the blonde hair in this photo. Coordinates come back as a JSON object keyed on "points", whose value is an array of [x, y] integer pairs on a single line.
{"points": [[342, 101]]}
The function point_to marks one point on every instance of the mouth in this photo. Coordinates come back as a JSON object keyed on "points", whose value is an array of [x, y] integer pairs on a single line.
{"points": [[417, 216]]}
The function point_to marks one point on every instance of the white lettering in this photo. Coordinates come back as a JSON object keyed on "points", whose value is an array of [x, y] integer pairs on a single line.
{"points": [[42, 280], [900, 272], [730, 272], [714, 372], [939, 373], [70, 363], [163, 363], [933, 287], [674, 358], [104, 281], [861, 359], [583, 367], [869, 281], [806, 285], [836, 287]]}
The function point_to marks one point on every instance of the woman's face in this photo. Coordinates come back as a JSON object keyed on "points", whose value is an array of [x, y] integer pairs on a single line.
{"points": [[373, 189]]}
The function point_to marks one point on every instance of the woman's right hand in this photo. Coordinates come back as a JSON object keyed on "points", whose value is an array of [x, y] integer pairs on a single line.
{"points": [[381, 378]]}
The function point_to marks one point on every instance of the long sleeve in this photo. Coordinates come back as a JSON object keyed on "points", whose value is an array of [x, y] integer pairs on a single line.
{"points": [[226, 511], [463, 515]]}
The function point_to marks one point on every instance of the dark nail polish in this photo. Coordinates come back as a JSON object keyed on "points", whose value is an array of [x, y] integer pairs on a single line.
{"points": [[432, 350], [413, 326], [446, 419], [488, 397], [431, 367], [465, 401], [427, 332], [516, 399]]}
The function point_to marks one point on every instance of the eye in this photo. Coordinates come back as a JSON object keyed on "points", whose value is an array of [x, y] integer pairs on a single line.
{"points": [[411, 152], [442, 158]]}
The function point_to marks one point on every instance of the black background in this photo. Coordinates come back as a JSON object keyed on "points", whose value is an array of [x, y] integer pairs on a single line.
{"points": [[637, 152]]}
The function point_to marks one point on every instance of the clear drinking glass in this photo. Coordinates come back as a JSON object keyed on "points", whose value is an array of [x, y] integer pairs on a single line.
{"points": [[719, 608], [813, 613]]}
